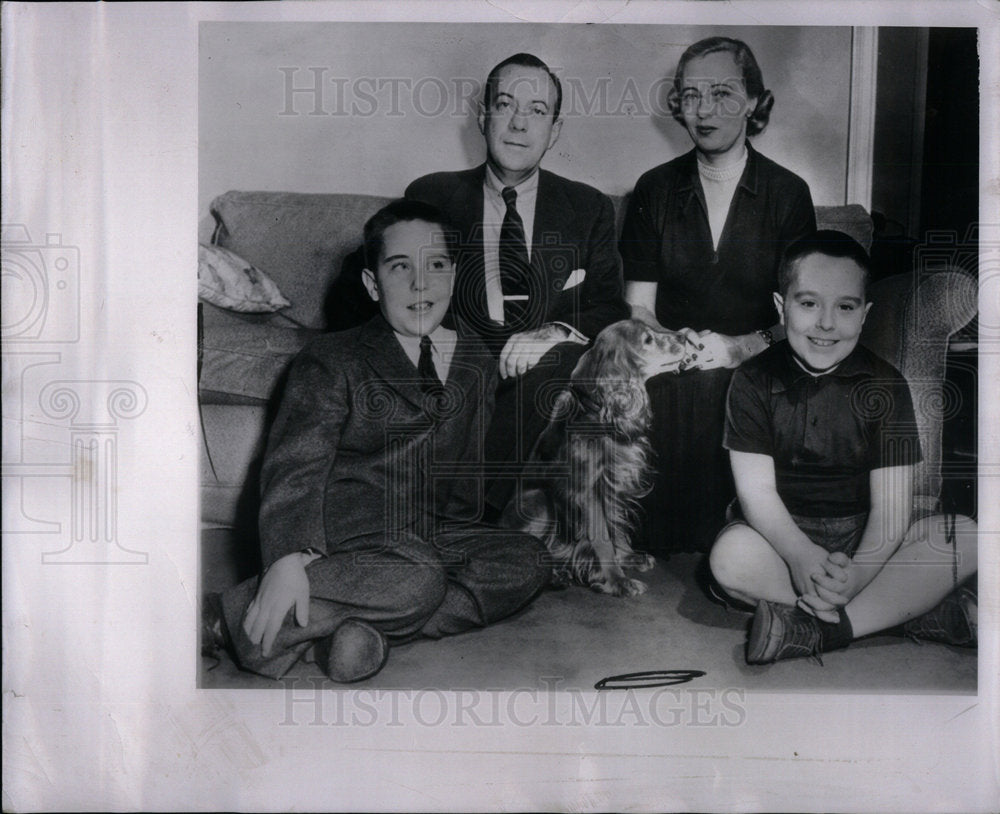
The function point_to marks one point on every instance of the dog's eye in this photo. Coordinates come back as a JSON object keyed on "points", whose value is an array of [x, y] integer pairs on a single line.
{"points": [[647, 339]]}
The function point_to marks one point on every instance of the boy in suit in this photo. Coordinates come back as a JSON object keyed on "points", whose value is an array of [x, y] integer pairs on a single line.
{"points": [[822, 440], [370, 503], [538, 273]]}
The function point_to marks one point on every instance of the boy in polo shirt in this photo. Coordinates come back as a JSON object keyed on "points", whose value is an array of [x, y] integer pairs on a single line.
{"points": [[822, 441]]}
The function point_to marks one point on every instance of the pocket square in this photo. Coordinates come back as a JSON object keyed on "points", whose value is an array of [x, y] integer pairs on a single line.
{"points": [[576, 276]]}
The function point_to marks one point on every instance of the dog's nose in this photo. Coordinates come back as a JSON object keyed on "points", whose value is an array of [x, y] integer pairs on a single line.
{"points": [[673, 341]]}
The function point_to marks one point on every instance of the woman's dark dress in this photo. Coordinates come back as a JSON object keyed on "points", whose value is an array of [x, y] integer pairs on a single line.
{"points": [[666, 240]]}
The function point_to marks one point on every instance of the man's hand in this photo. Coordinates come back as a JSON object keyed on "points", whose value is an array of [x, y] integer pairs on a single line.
{"points": [[523, 350], [283, 585]]}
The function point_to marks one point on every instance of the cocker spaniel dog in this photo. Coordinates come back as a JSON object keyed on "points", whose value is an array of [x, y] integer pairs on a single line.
{"points": [[591, 464]]}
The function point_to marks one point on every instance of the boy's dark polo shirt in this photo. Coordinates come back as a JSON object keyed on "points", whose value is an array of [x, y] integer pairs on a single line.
{"points": [[824, 433]]}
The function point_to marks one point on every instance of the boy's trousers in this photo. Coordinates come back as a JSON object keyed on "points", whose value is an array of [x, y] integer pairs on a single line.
{"points": [[405, 587]]}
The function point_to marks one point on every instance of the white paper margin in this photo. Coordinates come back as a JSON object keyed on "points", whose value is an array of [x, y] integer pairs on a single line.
{"points": [[100, 711]]}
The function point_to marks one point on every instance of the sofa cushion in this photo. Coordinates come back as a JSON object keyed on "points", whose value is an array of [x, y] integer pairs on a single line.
{"points": [[298, 239], [242, 360]]}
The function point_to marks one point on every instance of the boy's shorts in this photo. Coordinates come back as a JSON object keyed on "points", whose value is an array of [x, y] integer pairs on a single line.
{"points": [[832, 533]]}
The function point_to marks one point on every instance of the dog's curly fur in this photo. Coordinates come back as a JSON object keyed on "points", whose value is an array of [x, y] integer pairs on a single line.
{"points": [[592, 461]]}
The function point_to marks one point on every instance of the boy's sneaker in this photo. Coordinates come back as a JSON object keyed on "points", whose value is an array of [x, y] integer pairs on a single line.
{"points": [[950, 621], [782, 632], [353, 652]]}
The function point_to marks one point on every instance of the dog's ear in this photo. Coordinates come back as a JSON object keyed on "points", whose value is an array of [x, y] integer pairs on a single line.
{"points": [[612, 356], [625, 405]]}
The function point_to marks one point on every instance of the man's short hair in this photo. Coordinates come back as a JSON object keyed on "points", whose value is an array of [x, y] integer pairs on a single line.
{"points": [[525, 61], [827, 242], [400, 211]]}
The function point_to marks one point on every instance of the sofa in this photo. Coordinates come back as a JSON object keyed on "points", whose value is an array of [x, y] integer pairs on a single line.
{"points": [[301, 242]]}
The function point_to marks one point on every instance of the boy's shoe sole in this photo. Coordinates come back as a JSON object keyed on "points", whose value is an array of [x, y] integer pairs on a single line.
{"points": [[353, 652]]}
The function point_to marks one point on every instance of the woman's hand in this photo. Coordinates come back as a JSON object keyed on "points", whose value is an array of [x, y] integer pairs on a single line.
{"points": [[283, 586], [710, 350], [719, 350]]}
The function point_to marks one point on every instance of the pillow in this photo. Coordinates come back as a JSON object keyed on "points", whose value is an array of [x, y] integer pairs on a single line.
{"points": [[226, 280]]}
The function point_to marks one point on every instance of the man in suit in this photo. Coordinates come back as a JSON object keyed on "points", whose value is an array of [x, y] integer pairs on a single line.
{"points": [[538, 273], [368, 513]]}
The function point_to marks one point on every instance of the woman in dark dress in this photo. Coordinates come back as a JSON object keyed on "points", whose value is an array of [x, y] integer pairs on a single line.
{"points": [[701, 244]]}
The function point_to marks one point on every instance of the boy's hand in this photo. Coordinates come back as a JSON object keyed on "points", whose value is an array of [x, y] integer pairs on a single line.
{"points": [[840, 581], [810, 561], [805, 567], [820, 608], [283, 585]]}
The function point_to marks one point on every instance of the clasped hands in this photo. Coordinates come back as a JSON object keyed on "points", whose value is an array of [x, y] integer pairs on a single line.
{"points": [[825, 581]]}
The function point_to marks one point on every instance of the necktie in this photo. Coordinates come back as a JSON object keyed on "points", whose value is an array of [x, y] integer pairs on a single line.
{"points": [[514, 264], [429, 381]]}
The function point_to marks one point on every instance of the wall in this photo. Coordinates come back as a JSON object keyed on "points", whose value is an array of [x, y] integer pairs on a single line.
{"points": [[395, 101]]}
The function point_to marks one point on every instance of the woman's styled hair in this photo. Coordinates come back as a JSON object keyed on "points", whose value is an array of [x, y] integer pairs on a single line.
{"points": [[753, 80], [405, 210]]}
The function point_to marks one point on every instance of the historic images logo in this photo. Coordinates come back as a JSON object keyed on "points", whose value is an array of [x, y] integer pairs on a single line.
{"points": [[62, 458]]}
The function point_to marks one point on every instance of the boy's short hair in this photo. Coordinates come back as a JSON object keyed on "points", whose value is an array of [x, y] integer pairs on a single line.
{"points": [[525, 61], [829, 243], [400, 211]]}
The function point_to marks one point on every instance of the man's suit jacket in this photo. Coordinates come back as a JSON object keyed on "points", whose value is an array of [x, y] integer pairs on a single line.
{"points": [[357, 449], [574, 230]]}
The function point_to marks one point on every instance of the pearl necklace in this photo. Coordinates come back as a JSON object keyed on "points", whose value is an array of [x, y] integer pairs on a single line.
{"points": [[729, 173]]}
